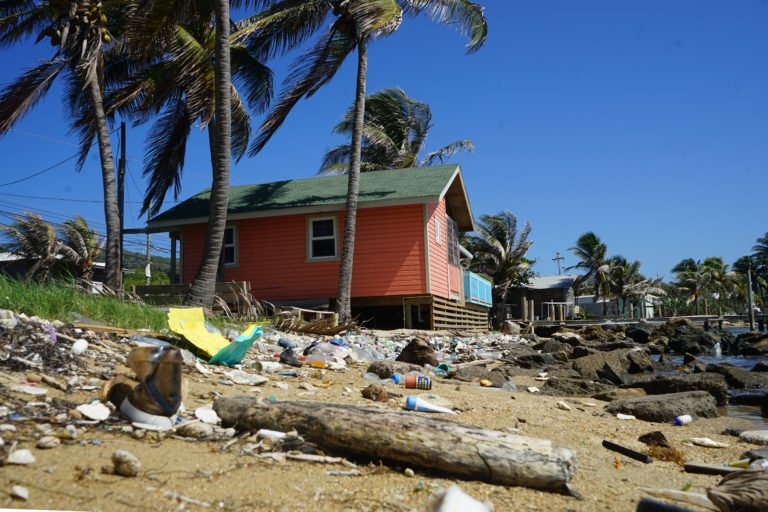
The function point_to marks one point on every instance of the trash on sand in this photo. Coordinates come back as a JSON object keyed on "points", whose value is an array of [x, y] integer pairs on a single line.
{"points": [[21, 457], [245, 378], [207, 415], [418, 382], [564, 406], [94, 411], [414, 403], [621, 416], [157, 397], [709, 469], [692, 498], [632, 454], [20, 493], [190, 323], [685, 419], [30, 390], [533, 389], [707, 442], [335, 472], [234, 352], [272, 435], [454, 499], [79, 347]]}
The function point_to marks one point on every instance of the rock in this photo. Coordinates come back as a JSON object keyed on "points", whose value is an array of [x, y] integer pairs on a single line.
{"points": [[196, 430], [655, 438], [510, 327], [749, 344], [30, 390], [79, 347], [47, 442], [472, 373], [418, 351], [21, 457], [755, 437], [8, 319], [20, 493], [602, 333], [498, 378], [125, 463], [94, 411], [554, 346], [245, 378], [639, 333], [571, 338], [573, 387], [740, 378], [375, 392], [613, 373], [623, 360], [384, 369], [619, 394], [536, 361], [712, 383], [762, 366], [582, 352], [665, 408]]}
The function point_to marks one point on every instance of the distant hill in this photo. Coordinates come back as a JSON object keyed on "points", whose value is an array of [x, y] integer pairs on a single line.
{"points": [[132, 260]]}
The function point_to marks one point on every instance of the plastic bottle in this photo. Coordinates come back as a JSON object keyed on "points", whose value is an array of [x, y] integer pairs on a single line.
{"points": [[375, 379], [414, 403], [682, 420], [418, 382]]}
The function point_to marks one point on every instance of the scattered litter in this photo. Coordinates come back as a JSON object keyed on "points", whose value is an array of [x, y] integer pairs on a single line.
{"points": [[21, 457], [454, 499], [409, 473], [272, 435], [627, 452], [20, 493], [207, 415], [186, 499], [692, 498], [707, 442], [625, 416], [351, 472], [94, 411], [685, 419], [414, 403], [533, 389], [281, 385], [79, 347], [30, 390], [564, 406], [47, 442], [245, 378]]}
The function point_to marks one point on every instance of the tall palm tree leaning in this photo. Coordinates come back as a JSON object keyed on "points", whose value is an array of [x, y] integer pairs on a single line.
{"points": [[395, 130], [594, 262], [499, 250], [33, 238], [81, 246], [287, 24], [80, 31]]}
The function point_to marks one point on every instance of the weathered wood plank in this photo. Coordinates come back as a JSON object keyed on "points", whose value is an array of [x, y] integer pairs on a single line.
{"points": [[411, 439]]}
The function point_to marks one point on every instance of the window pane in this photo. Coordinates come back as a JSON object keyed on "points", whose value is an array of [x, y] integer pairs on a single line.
{"points": [[229, 236], [229, 255], [322, 228], [323, 248]]}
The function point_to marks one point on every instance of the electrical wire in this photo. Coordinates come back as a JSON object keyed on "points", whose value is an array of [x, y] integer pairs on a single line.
{"points": [[39, 172]]}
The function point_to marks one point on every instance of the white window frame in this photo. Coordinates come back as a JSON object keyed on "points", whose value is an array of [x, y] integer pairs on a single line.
{"points": [[234, 245], [438, 231], [334, 237]]}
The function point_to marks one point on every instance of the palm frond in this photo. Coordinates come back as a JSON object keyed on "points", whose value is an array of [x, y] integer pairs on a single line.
{"points": [[467, 17], [17, 26], [254, 78], [448, 151], [17, 98], [241, 126], [309, 72]]}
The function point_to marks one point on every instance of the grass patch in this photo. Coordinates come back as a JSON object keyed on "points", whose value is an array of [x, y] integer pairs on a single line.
{"points": [[56, 300]]}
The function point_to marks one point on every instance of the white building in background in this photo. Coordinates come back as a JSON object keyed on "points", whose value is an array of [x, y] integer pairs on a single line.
{"points": [[646, 307]]}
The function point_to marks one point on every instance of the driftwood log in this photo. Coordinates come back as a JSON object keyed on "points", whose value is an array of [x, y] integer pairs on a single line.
{"points": [[411, 439]]}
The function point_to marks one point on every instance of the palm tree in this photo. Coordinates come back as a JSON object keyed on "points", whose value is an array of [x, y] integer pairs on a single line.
{"points": [[594, 262], [693, 278], [622, 275], [33, 238], [287, 24], [81, 246], [394, 135], [760, 249], [80, 30], [179, 86], [499, 250]]}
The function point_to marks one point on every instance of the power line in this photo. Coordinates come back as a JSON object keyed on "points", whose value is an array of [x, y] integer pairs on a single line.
{"points": [[48, 198], [39, 172], [44, 137]]}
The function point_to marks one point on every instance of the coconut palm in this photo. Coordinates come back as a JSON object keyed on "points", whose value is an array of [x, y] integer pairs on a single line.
{"points": [[499, 251], [395, 132], [79, 30], [622, 275], [593, 261], [81, 246], [34, 239], [288, 24], [178, 86], [693, 278], [760, 249]]}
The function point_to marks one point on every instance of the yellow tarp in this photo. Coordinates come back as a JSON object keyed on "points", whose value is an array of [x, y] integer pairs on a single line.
{"points": [[190, 323]]}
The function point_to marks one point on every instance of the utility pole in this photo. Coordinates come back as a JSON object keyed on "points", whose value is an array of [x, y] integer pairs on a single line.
{"points": [[121, 196], [750, 304], [558, 259], [147, 268]]}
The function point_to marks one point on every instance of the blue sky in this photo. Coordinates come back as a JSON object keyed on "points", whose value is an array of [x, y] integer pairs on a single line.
{"points": [[643, 121]]}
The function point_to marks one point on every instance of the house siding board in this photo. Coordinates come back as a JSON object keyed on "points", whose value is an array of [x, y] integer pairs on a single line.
{"points": [[389, 255], [438, 252], [456, 282]]}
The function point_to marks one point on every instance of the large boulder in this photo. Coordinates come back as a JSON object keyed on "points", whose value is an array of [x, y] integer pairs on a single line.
{"points": [[569, 337], [573, 387], [739, 377], [665, 408], [621, 361], [712, 383], [695, 343], [418, 351], [553, 346], [748, 344], [639, 333], [603, 333], [536, 360]]}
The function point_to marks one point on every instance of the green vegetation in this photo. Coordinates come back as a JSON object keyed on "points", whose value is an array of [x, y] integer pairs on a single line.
{"points": [[56, 300]]}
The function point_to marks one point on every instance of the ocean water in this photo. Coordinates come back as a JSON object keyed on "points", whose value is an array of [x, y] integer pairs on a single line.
{"points": [[738, 411]]}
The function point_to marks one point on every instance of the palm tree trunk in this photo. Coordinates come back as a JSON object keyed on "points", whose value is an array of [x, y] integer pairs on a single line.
{"points": [[344, 293], [204, 285], [113, 272]]}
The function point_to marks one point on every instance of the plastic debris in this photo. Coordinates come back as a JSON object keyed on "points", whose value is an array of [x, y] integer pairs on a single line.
{"points": [[20, 493], [414, 403], [21, 457], [707, 442], [94, 411], [454, 499]]}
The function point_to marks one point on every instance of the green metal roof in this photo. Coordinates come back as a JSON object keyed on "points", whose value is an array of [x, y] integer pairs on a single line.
{"points": [[396, 186]]}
